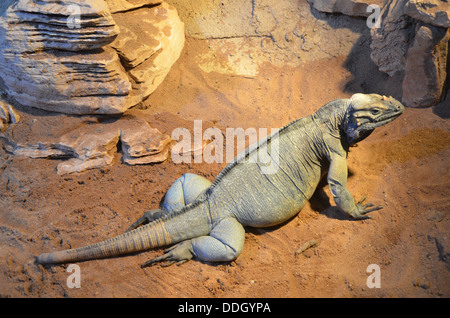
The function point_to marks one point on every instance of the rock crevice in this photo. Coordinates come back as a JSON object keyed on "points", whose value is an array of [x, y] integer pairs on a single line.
{"points": [[412, 38]]}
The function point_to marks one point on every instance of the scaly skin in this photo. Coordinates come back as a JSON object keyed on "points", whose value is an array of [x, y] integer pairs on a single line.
{"points": [[208, 219]]}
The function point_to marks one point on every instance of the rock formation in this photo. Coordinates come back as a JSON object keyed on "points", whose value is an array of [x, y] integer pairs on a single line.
{"points": [[434, 12], [391, 40], [142, 144], [8, 115], [95, 145], [426, 66], [412, 38], [80, 57], [347, 7]]}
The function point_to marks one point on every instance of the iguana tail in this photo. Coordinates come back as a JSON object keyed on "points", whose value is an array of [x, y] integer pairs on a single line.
{"points": [[176, 227]]}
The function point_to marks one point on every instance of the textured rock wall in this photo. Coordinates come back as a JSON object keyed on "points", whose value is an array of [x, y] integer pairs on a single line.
{"points": [[87, 56], [426, 66], [243, 35], [347, 7], [412, 38], [391, 40]]}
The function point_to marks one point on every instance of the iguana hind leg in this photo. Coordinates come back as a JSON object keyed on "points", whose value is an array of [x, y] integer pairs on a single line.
{"points": [[223, 244], [185, 190]]}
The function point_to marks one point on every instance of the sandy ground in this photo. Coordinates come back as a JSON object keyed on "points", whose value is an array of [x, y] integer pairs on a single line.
{"points": [[403, 166]]}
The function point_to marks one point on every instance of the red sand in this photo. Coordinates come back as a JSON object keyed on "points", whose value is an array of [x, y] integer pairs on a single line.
{"points": [[403, 166]]}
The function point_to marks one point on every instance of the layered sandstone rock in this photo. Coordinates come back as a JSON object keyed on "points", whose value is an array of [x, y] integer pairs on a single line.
{"points": [[72, 25], [94, 145], [143, 144], [76, 57], [150, 41]]}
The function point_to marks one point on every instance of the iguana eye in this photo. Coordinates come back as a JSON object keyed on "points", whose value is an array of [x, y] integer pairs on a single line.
{"points": [[375, 111]]}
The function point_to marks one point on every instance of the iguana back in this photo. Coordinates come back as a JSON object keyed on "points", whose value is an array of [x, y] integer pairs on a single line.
{"points": [[273, 182]]}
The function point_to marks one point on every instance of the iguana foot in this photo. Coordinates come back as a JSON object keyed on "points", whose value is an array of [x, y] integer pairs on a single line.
{"points": [[361, 210], [147, 218], [179, 254]]}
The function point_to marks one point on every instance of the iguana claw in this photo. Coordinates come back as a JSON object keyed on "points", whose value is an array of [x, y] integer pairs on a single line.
{"points": [[362, 210], [177, 254]]}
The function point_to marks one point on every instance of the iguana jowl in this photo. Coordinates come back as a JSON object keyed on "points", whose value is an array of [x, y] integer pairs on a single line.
{"points": [[208, 220]]}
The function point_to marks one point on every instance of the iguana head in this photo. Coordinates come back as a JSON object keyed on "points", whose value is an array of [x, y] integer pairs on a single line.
{"points": [[367, 112]]}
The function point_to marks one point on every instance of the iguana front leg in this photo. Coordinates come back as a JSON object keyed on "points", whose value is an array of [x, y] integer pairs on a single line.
{"points": [[337, 181]]}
